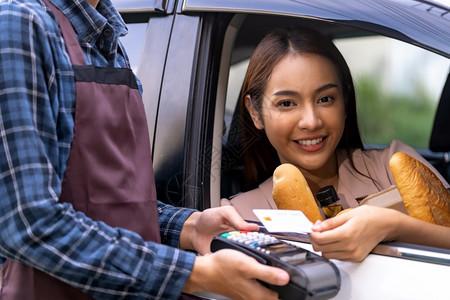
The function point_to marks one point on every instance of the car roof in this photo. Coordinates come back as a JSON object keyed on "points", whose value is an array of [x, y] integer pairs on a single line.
{"points": [[425, 23]]}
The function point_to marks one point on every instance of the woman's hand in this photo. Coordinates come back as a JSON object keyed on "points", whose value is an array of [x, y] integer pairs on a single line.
{"points": [[352, 235], [201, 227], [233, 274]]}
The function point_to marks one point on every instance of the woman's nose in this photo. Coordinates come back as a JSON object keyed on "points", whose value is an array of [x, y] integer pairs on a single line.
{"points": [[310, 119]]}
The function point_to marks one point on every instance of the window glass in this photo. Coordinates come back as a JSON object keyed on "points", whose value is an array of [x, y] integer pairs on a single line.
{"points": [[398, 86]]}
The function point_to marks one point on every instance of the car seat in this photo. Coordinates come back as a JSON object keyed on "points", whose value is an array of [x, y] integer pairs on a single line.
{"points": [[440, 134]]}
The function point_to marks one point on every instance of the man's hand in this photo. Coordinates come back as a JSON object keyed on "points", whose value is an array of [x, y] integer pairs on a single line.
{"points": [[233, 274], [201, 227]]}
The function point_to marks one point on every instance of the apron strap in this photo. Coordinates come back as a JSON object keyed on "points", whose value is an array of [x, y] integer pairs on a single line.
{"points": [[68, 33]]}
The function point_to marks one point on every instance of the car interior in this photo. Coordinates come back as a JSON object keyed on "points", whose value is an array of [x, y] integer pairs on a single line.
{"points": [[243, 33]]}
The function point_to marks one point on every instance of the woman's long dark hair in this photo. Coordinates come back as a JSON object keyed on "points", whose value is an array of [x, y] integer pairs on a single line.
{"points": [[259, 157]]}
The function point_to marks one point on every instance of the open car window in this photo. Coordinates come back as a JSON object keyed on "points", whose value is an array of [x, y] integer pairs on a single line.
{"points": [[398, 88]]}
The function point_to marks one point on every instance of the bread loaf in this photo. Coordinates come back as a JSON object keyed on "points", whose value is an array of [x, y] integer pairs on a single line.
{"points": [[291, 191], [422, 192]]}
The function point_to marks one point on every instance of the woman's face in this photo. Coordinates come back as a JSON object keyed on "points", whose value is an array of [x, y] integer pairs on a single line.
{"points": [[303, 112]]}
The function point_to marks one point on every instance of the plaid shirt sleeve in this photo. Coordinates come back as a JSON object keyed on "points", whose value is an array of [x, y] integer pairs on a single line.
{"points": [[171, 220], [105, 262]]}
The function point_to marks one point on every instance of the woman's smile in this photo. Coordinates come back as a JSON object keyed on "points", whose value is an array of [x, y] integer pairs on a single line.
{"points": [[311, 145]]}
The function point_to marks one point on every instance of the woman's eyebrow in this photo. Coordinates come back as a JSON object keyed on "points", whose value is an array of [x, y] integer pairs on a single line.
{"points": [[295, 93], [326, 87], [286, 93]]}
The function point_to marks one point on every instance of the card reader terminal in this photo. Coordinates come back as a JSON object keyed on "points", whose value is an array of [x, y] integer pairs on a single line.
{"points": [[312, 276]]}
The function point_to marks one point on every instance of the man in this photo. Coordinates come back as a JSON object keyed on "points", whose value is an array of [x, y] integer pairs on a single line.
{"points": [[79, 216]]}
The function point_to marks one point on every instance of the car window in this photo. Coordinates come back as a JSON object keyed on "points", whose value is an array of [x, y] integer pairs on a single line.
{"points": [[398, 87]]}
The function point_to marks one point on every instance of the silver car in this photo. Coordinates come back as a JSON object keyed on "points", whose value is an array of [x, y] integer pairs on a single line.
{"points": [[191, 58]]}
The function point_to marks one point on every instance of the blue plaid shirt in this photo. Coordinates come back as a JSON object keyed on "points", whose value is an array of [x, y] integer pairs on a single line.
{"points": [[37, 100]]}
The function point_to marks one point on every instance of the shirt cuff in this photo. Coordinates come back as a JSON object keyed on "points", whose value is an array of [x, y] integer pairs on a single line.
{"points": [[171, 221], [172, 267]]}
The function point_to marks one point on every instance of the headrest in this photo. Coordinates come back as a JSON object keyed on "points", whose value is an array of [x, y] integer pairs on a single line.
{"points": [[440, 136]]}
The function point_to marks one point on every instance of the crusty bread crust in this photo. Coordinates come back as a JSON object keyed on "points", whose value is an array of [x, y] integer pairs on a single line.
{"points": [[422, 192], [291, 191]]}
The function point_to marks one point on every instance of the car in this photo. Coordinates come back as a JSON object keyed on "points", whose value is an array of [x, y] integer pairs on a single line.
{"points": [[191, 57]]}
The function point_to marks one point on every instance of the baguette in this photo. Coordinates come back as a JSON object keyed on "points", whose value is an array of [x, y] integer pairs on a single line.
{"points": [[423, 193], [291, 191]]}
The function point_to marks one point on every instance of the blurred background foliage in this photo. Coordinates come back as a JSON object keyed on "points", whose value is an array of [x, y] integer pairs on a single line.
{"points": [[384, 116]]}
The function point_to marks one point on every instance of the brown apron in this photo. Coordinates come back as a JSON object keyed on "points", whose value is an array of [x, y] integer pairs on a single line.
{"points": [[109, 174]]}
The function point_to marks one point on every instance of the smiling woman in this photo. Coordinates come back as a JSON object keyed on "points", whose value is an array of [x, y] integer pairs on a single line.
{"points": [[303, 116], [320, 106], [298, 93]]}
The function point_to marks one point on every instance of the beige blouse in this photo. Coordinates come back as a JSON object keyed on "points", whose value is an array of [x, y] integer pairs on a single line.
{"points": [[352, 186]]}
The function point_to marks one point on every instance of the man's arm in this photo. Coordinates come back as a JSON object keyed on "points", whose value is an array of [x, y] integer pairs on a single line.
{"points": [[35, 229], [171, 222]]}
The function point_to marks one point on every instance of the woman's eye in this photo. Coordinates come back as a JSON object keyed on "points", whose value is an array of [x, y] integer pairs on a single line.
{"points": [[325, 99], [285, 103]]}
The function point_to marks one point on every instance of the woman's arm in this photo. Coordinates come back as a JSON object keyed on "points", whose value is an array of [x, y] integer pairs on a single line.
{"points": [[412, 230], [352, 235]]}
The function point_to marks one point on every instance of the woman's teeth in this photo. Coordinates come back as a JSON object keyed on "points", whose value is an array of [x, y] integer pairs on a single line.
{"points": [[310, 142]]}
